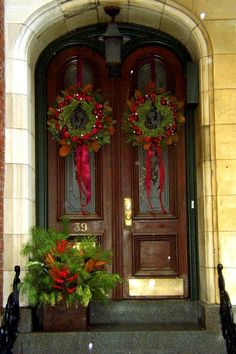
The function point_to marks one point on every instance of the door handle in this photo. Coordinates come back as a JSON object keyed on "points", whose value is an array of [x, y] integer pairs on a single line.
{"points": [[128, 211]]}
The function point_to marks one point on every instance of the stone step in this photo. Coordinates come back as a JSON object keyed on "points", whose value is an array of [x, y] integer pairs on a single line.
{"points": [[151, 311], [123, 340], [132, 327]]}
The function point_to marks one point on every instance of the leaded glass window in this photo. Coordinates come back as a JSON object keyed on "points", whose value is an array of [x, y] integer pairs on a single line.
{"points": [[73, 199], [152, 70]]}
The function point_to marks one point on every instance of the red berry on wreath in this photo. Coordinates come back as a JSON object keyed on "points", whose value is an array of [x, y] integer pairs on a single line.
{"points": [[138, 132], [99, 126], [163, 102], [95, 130], [152, 96], [141, 99], [65, 134], [87, 136], [88, 98], [131, 119], [98, 106], [61, 104], [68, 98]]}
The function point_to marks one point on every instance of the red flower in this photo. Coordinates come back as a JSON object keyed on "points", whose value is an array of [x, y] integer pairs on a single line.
{"points": [[71, 290], [64, 272], [61, 246], [63, 279], [58, 287], [59, 274], [74, 277], [59, 281]]}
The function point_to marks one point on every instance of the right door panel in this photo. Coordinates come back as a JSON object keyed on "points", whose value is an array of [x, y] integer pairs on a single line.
{"points": [[155, 245]]}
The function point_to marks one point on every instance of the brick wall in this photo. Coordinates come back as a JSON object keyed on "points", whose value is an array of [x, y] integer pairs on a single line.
{"points": [[2, 139]]}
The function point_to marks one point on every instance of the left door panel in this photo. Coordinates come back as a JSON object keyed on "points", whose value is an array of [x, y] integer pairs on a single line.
{"points": [[79, 66]]}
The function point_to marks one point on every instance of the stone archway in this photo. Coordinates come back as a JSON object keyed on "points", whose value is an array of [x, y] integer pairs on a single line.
{"points": [[39, 29]]}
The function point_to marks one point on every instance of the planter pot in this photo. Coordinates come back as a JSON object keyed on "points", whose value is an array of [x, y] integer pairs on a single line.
{"points": [[60, 318]]}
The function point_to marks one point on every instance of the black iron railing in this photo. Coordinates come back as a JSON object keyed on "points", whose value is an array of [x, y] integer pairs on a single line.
{"points": [[9, 327], [226, 315]]}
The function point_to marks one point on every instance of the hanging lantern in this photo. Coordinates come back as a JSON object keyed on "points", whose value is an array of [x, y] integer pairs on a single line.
{"points": [[113, 40]]}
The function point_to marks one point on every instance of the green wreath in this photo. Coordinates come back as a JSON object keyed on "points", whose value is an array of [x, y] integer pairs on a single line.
{"points": [[79, 117], [153, 118]]}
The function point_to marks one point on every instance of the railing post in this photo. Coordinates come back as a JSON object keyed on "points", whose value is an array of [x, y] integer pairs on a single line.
{"points": [[9, 328], [226, 315]]}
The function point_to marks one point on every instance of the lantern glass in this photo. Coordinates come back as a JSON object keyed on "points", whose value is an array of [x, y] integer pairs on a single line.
{"points": [[113, 50], [113, 40]]}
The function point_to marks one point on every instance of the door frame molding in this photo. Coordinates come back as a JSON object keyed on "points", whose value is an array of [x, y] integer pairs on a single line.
{"points": [[88, 37]]}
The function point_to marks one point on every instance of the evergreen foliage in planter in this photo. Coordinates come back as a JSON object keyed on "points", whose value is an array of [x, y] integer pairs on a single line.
{"points": [[66, 270]]}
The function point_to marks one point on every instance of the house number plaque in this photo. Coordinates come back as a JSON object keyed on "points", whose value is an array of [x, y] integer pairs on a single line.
{"points": [[81, 227]]}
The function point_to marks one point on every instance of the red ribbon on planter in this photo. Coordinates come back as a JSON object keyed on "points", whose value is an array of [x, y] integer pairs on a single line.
{"points": [[83, 173], [148, 177]]}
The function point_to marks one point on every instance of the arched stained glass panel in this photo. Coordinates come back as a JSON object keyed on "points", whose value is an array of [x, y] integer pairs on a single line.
{"points": [[71, 74], [152, 70]]}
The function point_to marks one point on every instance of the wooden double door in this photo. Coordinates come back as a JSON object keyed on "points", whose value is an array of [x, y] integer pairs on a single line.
{"points": [[149, 246]]}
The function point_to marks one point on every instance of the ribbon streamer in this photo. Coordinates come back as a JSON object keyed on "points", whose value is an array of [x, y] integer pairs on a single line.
{"points": [[83, 174], [161, 175], [148, 177]]}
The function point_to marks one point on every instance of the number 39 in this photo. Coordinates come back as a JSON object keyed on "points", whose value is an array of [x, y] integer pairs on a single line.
{"points": [[80, 227]]}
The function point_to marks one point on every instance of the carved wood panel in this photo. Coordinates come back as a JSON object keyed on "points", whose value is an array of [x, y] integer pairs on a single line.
{"points": [[155, 255]]}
